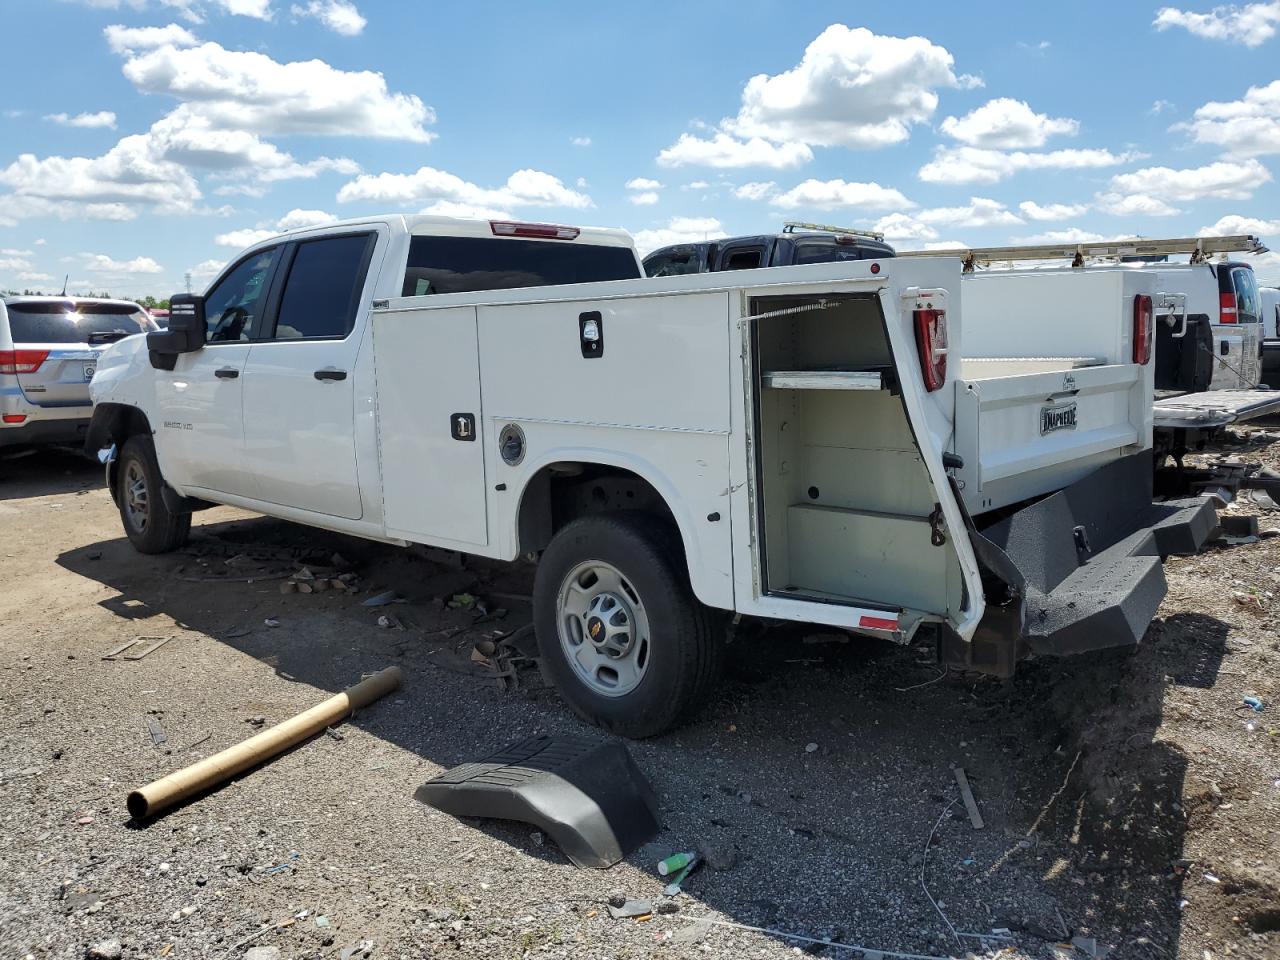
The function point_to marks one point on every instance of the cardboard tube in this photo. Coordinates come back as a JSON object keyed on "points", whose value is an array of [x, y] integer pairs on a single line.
{"points": [[208, 773]]}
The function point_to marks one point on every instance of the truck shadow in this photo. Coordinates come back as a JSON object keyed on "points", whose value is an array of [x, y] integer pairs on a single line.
{"points": [[46, 472], [815, 773]]}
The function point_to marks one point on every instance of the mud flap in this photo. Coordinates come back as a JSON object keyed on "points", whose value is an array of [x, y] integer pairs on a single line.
{"points": [[589, 797], [1086, 561]]}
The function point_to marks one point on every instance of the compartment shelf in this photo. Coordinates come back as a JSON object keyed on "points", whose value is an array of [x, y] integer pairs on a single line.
{"points": [[873, 379]]}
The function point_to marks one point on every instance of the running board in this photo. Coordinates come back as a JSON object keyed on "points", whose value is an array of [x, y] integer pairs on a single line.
{"points": [[1084, 564], [589, 797]]}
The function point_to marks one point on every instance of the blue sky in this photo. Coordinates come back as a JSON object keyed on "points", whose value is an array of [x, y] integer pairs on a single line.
{"points": [[145, 139]]}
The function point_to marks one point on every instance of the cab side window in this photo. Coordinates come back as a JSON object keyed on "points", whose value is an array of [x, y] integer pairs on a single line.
{"points": [[323, 288], [232, 308]]}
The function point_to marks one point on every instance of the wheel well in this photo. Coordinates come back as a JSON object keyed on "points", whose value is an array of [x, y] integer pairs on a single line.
{"points": [[562, 492], [114, 423]]}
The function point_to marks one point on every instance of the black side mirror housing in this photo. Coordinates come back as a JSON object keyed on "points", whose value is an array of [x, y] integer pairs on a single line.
{"points": [[185, 334]]}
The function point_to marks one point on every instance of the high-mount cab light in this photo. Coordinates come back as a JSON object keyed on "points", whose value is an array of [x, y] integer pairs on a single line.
{"points": [[539, 231]]}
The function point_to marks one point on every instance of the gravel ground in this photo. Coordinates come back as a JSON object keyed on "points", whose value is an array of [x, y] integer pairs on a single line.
{"points": [[1126, 798]]}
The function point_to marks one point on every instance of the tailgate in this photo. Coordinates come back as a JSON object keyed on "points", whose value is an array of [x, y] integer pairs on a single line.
{"points": [[1025, 435], [62, 379]]}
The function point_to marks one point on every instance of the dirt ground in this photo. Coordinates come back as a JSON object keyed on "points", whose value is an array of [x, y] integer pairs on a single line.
{"points": [[1134, 800]]}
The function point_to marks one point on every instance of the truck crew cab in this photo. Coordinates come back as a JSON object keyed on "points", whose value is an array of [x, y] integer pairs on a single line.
{"points": [[830, 443], [797, 243]]}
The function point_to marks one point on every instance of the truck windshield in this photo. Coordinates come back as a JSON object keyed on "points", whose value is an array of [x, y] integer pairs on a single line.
{"points": [[464, 264], [68, 321]]}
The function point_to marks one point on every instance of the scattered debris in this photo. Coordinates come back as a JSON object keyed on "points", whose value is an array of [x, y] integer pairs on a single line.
{"points": [[971, 805], [677, 879], [810, 748], [256, 721], [388, 621], [105, 950], [139, 652], [271, 622], [357, 951], [380, 599], [1253, 703], [461, 601], [213, 771], [156, 730], [632, 908], [867, 952], [718, 856], [676, 862], [262, 953]]}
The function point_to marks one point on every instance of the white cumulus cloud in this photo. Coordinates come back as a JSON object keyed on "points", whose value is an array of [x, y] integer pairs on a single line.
{"points": [[899, 227], [831, 194], [643, 183], [645, 199], [978, 165], [1005, 123], [1234, 224], [340, 16], [1051, 211], [1222, 180], [979, 212], [467, 211], [722, 150], [524, 188], [103, 118], [1133, 205], [100, 263], [122, 39], [1252, 24], [1249, 126], [758, 190]]}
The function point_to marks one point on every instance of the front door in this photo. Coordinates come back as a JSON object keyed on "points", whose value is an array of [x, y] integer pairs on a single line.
{"points": [[199, 439], [299, 382]]}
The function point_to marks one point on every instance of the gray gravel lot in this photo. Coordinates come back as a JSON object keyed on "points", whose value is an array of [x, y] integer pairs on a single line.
{"points": [[1098, 780]]}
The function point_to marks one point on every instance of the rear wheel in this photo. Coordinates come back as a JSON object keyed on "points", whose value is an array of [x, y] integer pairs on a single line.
{"points": [[620, 634], [150, 525]]}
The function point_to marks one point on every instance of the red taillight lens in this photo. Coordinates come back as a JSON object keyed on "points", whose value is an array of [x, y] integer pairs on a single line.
{"points": [[22, 361], [1143, 329], [931, 341], [1227, 302], [542, 231], [14, 417]]}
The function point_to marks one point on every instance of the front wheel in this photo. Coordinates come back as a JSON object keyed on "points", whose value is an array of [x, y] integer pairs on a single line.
{"points": [[620, 634], [150, 525]]}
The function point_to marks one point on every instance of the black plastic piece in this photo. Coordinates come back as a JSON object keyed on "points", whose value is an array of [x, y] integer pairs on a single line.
{"points": [[462, 426], [226, 373], [589, 797], [1086, 560], [185, 333]]}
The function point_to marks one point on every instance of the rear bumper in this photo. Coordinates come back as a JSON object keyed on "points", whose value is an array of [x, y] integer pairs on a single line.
{"points": [[1081, 569], [69, 431]]}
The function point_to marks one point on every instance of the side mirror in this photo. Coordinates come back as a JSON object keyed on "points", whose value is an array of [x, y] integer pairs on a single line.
{"points": [[185, 334]]}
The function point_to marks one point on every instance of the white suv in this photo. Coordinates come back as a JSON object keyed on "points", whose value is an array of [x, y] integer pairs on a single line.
{"points": [[49, 349]]}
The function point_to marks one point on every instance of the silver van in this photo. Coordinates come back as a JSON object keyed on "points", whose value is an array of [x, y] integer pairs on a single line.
{"points": [[49, 350]]}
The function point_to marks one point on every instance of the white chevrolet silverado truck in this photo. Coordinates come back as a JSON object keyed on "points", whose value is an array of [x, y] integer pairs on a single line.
{"points": [[844, 444]]}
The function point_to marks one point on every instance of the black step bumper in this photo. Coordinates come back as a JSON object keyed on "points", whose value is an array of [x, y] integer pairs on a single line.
{"points": [[1080, 570]]}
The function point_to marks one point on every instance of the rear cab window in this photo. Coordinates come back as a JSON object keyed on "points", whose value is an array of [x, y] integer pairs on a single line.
{"points": [[832, 251], [675, 263], [322, 292], [1246, 290], [466, 264], [71, 321]]}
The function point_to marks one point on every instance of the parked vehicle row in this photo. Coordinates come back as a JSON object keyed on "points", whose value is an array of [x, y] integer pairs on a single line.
{"points": [[49, 350], [862, 443]]}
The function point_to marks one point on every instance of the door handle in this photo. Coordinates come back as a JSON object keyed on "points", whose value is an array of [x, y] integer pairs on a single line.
{"points": [[226, 373], [328, 373]]}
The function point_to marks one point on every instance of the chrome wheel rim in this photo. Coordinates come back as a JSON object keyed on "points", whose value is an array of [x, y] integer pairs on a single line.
{"points": [[603, 628], [136, 503]]}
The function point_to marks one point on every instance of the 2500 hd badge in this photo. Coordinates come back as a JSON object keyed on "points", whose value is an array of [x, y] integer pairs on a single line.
{"points": [[1058, 416]]}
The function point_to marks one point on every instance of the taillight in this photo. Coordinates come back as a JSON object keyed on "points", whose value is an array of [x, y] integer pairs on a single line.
{"points": [[1143, 329], [931, 341], [1227, 302], [542, 231], [14, 417], [22, 361]]}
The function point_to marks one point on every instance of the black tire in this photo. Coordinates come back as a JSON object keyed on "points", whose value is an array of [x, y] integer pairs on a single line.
{"points": [[684, 645], [150, 526]]}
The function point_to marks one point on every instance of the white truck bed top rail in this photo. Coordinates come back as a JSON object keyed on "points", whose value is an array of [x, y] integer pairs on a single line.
{"points": [[1199, 249]]}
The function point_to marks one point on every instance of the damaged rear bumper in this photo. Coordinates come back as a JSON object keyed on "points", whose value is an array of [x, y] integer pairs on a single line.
{"points": [[1079, 570]]}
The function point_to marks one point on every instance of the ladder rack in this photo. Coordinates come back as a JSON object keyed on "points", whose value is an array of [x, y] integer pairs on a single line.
{"points": [[1199, 248], [792, 226]]}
